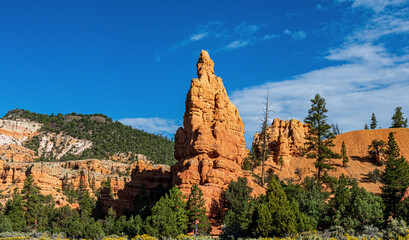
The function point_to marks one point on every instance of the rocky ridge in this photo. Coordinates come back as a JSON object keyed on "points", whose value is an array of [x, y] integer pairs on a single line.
{"points": [[285, 139]]}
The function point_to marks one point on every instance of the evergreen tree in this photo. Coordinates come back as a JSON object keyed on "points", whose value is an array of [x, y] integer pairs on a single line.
{"points": [[5, 224], [374, 122], [335, 129], [62, 219], [281, 162], [353, 207], [276, 216], [397, 119], [311, 199], [93, 230], [32, 201], [75, 228], [109, 222], [169, 216], [240, 207], [134, 226], [344, 155], [319, 138], [197, 211], [402, 212], [376, 150], [366, 127], [251, 161], [120, 226], [395, 176], [15, 212]]}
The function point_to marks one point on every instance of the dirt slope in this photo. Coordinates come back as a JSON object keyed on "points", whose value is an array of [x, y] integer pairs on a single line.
{"points": [[360, 164]]}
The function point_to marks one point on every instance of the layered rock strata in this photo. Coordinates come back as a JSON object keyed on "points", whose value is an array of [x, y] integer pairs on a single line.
{"points": [[210, 147], [51, 177], [285, 138]]}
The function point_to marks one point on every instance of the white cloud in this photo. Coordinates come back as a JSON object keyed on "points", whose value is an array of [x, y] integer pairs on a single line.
{"points": [[152, 125], [299, 35], [192, 38], [198, 36], [352, 91], [287, 32], [245, 29], [237, 44], [375, 5], [365, 53], [366, 77], [270, 36], [210, 30]]}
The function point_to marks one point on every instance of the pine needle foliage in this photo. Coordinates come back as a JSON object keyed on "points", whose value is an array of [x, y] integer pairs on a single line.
{"points": [[197, 210], [397, 119], [374, 122], [169, 215], [319, 138], [395, 176], [344, 155]]}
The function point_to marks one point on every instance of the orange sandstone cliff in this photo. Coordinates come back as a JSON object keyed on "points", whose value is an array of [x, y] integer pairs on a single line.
{"points": [[285, 138], [210, 147]]}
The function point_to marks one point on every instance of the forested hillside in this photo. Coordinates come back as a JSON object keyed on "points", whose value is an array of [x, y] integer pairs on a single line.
{"points": [[108, 137]]}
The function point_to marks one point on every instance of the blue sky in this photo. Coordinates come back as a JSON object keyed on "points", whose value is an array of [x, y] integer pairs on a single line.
{"points": [[133, 60]]}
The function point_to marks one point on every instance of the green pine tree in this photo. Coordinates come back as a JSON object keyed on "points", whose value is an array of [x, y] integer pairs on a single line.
{"points": [[344, 155], [15, 212], [240, 207], [366, 127], [5, 224], [397, 119], [276, 216], [169, 216], [197, 210], [374, 122], [395, 176], [109, 223], [33, 201], [134, 226], [319, 138], [377, 149], [281, 162], [353, 207]]}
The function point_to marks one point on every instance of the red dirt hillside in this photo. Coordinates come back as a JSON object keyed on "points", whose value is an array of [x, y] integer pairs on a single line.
{"points": [[359, 165]]}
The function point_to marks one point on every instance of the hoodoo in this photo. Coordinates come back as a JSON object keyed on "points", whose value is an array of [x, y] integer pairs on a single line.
{"points": [[210, 147]]}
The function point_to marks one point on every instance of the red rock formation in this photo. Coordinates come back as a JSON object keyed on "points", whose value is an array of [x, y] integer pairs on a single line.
{"points": [[52, 176], [146, 179], [212, 124], [285, 138], [211, 147]]}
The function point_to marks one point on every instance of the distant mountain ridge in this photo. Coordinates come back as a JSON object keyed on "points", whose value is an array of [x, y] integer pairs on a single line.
{"points": [[84, 136]]}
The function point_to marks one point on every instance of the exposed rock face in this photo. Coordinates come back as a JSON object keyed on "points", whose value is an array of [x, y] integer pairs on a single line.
{"points": [[284, 139], [211, 147], [14, 134], [212, 124], [57, 145], [146, 180], [51, 177]]}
